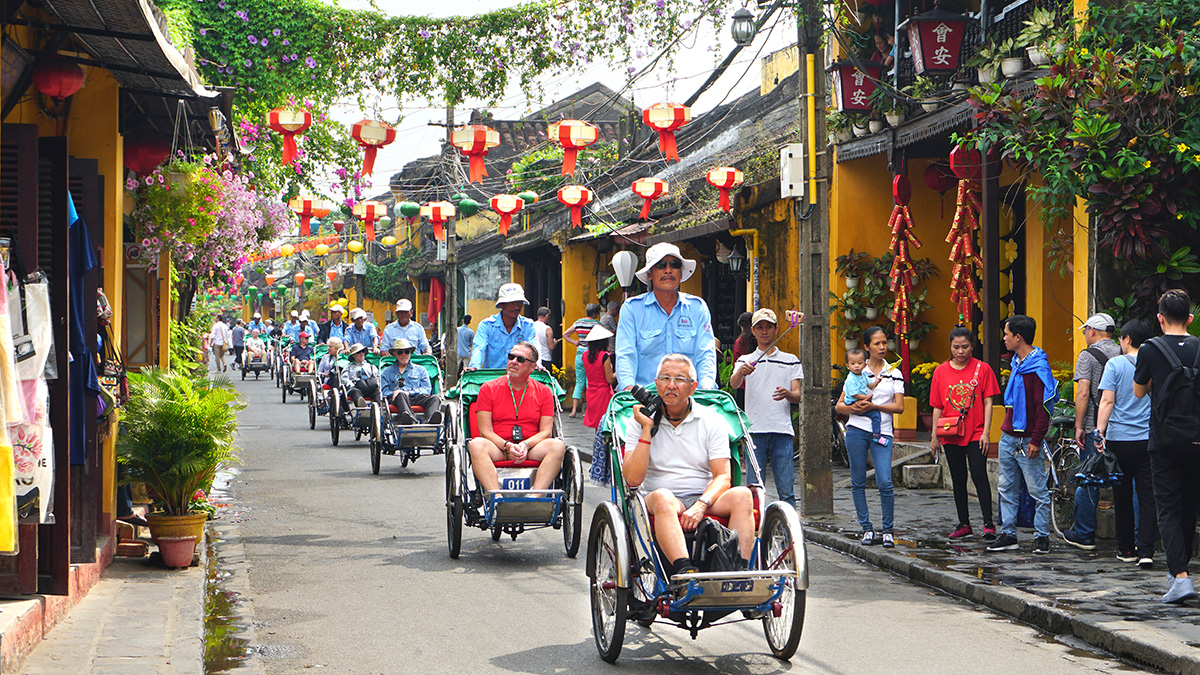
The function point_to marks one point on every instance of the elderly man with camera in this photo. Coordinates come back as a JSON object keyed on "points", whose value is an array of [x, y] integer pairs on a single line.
{"points": [[516, 417], [679, 454]]}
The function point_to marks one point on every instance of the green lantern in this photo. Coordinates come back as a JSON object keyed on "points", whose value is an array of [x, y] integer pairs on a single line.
{"points": [[253, 289], [260, 296], [272, 294], [468, 208], [458, 197], [410, 209], [308, 283], [281, 288], [529, 196], [384, 222]]}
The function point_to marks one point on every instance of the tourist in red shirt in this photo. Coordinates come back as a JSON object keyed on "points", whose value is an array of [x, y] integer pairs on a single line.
{"points": [[516, 417], [967, 387]]}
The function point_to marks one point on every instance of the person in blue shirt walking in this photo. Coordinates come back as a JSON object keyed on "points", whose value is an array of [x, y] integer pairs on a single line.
{"points": [[291, 329], [405, 327], [406, 384], [466, 338], [664, 321], [499, 332], [360, 332]]}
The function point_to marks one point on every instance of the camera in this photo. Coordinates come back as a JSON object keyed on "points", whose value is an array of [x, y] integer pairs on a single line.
{"points": [[652, 402], [517, 434]]}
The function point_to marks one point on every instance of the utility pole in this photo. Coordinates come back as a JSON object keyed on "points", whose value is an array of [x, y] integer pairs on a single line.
{"points": [[450, 308], [816, 472]]}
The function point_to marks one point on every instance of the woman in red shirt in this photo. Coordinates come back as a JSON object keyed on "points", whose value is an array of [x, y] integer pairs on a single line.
{"points": [[964, 387]]}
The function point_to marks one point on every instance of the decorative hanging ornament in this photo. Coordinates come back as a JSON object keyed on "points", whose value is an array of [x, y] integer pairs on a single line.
{"points": [[529, 196], [940, 178], [307, 208], [961, 238], [438, 213], [331, 275], [468, 207], [338, 226], [281, 289], [270, 279], [725, 178], [666, 118], [474, 141], [289, 123], [409, 210], [299, 278], [966, 163], [308, 283], [321, 249], [144, 152], [372, 135], [286, 250], [388, 241], [507, 206], [903, 241], [573, 136], [648, 189], [57, 78], [575, 197], [355, 246], [368, 212]]}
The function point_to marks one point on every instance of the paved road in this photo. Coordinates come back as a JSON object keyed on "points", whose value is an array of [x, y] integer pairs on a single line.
{"points": [[349, 573]]}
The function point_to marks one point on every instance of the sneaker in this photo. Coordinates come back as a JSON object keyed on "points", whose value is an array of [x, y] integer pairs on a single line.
{"points": [[1041, 545], [869, 538], [1181, 589], [1127, 556], [1146, 562], [888, 540], [961, 532], [1078, 541], [989, 533], [435, 418], [1006, 542]]}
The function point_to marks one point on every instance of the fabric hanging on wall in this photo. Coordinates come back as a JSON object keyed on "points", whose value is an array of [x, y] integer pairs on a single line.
{"points": [[31, 470], [31, 371], [82, 367], [8, 502], [10, 391]]}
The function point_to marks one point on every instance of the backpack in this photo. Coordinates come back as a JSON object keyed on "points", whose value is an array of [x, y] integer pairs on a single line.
{"points": [[1176, 418], [715, 548]]}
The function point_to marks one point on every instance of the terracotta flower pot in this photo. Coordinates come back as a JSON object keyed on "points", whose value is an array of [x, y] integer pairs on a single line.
{"points": [[177, 551], [191, 525]]}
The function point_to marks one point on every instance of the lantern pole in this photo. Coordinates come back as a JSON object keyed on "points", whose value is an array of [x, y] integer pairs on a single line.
{"points": [[450, 303]]}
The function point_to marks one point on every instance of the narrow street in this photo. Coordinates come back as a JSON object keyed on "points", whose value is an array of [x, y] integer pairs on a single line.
{"points": [[349, 573]]}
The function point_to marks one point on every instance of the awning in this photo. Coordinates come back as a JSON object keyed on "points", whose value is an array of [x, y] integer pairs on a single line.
{"points": [[624, 231], [683, 234]]}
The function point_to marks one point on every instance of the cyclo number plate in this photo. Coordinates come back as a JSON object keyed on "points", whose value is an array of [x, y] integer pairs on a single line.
{"points": [[742, 586], [517, 483]]}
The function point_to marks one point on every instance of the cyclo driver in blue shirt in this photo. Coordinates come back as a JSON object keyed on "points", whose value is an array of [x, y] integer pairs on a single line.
{"points": [[664, 321], [406, 384], [498, 333]]}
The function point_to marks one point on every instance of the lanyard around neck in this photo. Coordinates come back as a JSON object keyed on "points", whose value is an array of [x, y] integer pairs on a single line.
{"points": [[513, 394]]}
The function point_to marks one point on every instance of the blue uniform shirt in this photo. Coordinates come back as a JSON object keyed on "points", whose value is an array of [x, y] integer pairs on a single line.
{"points": [[364, 336], [466, 339], [414, 380], [493, 341], [645, 334], [413, 332], [292, 331], [257, 326]]}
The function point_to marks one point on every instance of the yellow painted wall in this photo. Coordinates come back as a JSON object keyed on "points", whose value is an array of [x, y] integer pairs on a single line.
{"points": [[777, 66], [517, 274], [578, 290], [778, 263], [479, 309]]}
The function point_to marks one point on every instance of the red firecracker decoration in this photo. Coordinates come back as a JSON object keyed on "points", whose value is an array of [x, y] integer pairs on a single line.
{"points": [[649, 189], [372, 135], [368, 212], [289, 123], [903, 241], [308, 208], [438, 213], [962, 250], [507, 206], [573, 136], [474, 141], [575, 197], [725, 178], [57, 78], [666, 118]]}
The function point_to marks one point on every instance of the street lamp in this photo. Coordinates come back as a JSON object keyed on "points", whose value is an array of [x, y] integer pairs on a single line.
{"points": [[735, 260], [743, 27]]}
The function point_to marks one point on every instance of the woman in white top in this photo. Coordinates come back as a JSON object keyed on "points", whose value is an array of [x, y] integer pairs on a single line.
{"points": [[888, 399]]}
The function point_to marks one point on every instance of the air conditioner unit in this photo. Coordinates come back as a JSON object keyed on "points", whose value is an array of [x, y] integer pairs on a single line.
{"points": [[792, 176]]}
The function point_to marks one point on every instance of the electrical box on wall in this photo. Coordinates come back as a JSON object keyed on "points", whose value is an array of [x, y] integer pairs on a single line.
{"points": [[792, 176]]}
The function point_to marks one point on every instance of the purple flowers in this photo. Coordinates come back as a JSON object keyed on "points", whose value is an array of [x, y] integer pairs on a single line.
{"points": [[286, 43], [310, 62], [253, 40], [222, 4], [276, 32], [203, 31], [295, 57], [263, 43], [424, 32], [242, 15], [249, 63]]}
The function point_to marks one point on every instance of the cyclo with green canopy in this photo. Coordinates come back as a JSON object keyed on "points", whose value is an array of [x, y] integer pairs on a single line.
{"points": [[409, 441], [627, 573], [300, 383], [343, 414], [318, 402], [515, 507]]}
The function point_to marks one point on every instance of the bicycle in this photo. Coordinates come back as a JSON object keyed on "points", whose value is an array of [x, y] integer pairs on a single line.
{"points": [[1062, 455]]}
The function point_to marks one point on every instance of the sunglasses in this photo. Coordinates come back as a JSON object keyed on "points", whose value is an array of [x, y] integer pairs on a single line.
{"points": [[519, 359], [674, 264], [402, 351]]}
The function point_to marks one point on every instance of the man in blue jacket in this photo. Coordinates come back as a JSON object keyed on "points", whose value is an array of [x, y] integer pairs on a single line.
{"points": [[499, 332]]}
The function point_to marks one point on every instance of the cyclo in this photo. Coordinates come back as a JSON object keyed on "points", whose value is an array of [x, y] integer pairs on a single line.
{"points": [[280, 346], [301, 383], [410, 441], [515, 507], [256, 364], [626, 569], [343, 414], [318, 401]]}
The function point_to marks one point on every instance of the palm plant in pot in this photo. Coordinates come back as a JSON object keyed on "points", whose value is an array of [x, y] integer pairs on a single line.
{"points": [[177, 431], [924, 88]]}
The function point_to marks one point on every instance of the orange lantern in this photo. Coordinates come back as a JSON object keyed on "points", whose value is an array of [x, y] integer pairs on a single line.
{"points": [[299, 278], [507, 206], [369, 212], [649, 189], [575, 197], [573, 136], [331, 275], [289, 123], [474, 141], [438, 213], [666, 118], [307, 208], [372, 135], [725, 178], [270, 279]]}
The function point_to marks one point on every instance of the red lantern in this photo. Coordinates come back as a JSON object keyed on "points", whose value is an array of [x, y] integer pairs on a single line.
{"points": [[143, 153], [666, 118], [852, 87], [299, 278], [331, 275], [307, 208], [289, 123], [438, 213], [474, 141], [936, 38], [372, 135], [940, 178], [573, 136], [725, 178], [649, 189], [338, 226], [57, 78], [507, 206], [966, 162], [368, 212], [575, 197]]}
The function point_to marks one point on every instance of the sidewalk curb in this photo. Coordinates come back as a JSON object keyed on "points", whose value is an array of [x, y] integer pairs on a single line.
{"points": [[1130, 642]]}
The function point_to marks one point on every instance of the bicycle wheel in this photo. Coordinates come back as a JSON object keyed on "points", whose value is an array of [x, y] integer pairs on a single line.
{"points": [[839, 442], [610, 602], [572, 507], [335, 416], [779, 553], [376, 438], [1061, 478]]}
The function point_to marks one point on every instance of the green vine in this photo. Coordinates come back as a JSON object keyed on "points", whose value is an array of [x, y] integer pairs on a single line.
{"points": [[541, 170], [389, 281]]}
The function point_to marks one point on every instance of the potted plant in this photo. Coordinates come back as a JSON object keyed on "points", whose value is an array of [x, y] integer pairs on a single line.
{"points": [[924, 88], [177, 432], [988, 58], [852, 266], [849, 334], [876, 123], [917, 332], [888, 105], [840, 126], [1042, 36], [850, 304], [859, 124], [1012, 62]]}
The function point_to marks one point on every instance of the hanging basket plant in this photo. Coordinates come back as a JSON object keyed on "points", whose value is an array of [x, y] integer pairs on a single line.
{"points": [[180, 200]]}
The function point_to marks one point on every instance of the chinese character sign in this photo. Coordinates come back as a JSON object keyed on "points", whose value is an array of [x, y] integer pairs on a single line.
{"points": [[936, 37], [852, 87]]}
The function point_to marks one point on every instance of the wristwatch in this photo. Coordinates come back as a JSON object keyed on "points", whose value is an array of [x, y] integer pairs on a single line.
{"points": [[707, 504]]}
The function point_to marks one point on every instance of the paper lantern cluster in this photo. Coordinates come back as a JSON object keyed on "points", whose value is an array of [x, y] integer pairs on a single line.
{"points": [[966, 165], [573, 136], [308, 208], [666, 119], [474, 141]]}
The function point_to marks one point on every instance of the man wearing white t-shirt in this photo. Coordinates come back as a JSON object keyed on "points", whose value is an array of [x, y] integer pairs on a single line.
{"points": [[543, 337], [773, 380], [220, 336]]}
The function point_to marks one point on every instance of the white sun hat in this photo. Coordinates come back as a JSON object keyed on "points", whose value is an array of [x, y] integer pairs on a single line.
{"points": [[511, 293], [659, 251]]}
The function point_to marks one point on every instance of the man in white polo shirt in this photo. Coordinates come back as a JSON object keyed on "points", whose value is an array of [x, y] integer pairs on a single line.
{"points": [[773, 379]]}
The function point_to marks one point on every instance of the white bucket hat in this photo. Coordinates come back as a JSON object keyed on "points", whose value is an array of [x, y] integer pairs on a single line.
{"points": [[337, 308], [404, 305], [598, 333], [401, 343], [659, 251], [356, 312], [257, 315], [295, 314], [510, 293]]}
